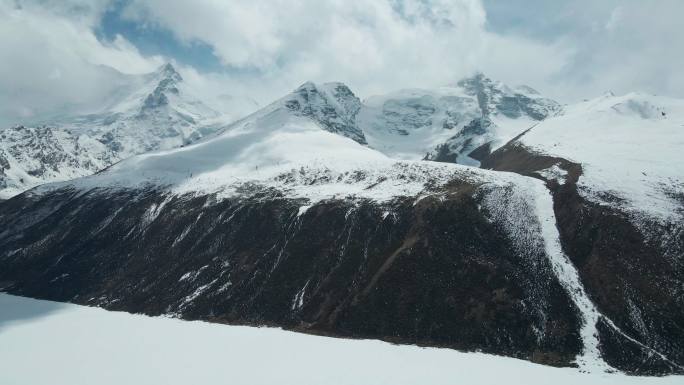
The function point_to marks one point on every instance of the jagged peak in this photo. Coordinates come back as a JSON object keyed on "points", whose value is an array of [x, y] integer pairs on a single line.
{"points": [[333, 105], [167, 79], [307, 85], [168, 71], [336, 93]]}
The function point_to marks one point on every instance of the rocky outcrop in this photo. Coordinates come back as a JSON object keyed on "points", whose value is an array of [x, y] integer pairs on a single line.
{"points": [[332, 105], [495, 97], [31, 155]]}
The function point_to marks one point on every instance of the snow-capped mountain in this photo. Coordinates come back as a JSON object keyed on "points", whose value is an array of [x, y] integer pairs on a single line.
{"points": [[148, 112], [450, 123], [310, 129], [295, 216], [30, 156], [159, 112], [332, 105]]}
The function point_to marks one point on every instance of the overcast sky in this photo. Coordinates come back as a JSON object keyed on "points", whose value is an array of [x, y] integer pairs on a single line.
{"points": [[59, 53]]}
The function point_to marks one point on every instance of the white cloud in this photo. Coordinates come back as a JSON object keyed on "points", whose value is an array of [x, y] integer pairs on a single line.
{"points": [[518, 61], [618, 45], [633, 46], [377, 46], [371, 45], [52, 60]]}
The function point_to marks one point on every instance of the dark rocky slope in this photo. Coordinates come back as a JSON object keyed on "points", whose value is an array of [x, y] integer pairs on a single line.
{"points": [[435, 272]]}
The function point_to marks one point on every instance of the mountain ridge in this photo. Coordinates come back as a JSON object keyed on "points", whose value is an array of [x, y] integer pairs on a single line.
{"points": [[286, 217], [448, 123], [155, 113]]}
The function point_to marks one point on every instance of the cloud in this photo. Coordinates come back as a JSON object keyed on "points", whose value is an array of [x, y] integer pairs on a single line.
{"points": [[618, 45], [53, 62], [371, 45], [634, 45], [377, 46]]}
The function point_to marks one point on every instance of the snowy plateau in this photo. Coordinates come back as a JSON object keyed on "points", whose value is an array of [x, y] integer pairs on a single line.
{"points": [[477, 217]]}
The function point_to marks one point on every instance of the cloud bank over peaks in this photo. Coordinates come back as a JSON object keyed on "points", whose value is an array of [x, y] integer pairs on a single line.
{"points": [[369, 44], [53, 61], [262, 49]]}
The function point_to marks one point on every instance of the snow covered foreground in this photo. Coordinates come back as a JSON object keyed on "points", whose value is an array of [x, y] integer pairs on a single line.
{"points": [[45, 342]]}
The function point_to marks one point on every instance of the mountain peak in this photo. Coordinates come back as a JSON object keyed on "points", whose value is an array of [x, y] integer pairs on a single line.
{"points": [[333, 105], [167, 79], [335, 94], [306, 86], [477, 81], [168, 71]]}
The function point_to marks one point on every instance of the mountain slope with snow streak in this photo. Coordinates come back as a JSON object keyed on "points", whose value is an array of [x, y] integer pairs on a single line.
{"points": [[293, 175], [302, 159], [611, 166]]}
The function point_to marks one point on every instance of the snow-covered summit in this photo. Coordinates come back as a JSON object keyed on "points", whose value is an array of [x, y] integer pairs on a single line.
{"points": [[167, 84], [168, 71], [449, 123], [333, 105], [148, 112], [160, 111]]}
